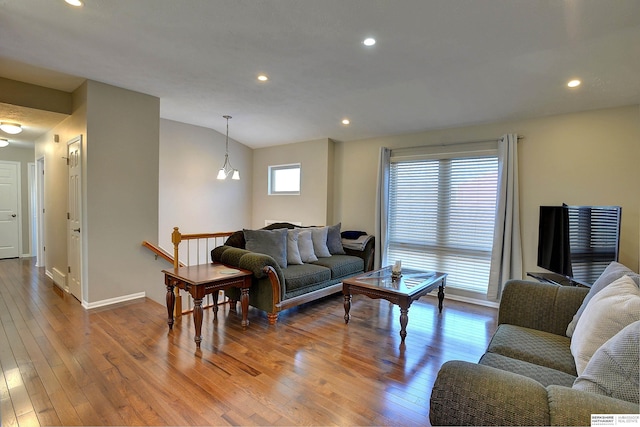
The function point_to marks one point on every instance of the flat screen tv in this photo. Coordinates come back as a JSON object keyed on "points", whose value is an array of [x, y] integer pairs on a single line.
{"points": [[578, 242]]}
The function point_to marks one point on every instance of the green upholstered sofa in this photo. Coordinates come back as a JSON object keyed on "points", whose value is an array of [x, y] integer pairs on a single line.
{"points": [[275, 288], [527, 374]]}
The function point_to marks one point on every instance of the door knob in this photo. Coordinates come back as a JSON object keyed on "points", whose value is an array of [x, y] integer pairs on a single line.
{"points": [[13, 215], [77, 230]]}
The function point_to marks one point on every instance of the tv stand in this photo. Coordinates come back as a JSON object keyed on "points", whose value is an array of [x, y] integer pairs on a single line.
{"points": [[553, 278]]}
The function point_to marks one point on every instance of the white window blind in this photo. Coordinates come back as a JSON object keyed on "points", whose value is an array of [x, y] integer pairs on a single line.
{"points": [[441, 217]]}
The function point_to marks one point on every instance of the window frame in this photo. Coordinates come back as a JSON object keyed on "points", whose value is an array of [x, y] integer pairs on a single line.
{"points": [[273, 170]]}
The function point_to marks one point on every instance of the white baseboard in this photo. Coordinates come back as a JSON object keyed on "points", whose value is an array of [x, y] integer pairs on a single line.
{"points": [[492, 304], [110, 301], [58, 277]]}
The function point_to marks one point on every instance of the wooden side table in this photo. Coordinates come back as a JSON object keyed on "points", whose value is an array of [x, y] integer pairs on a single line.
{"points": [[202, 280]]}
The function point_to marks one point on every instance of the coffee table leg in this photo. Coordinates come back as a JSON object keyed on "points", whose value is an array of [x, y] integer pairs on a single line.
{"points": [[404, 319], [197, 320], [347, 307], [244, 302], [440, 295], [171, 301]]}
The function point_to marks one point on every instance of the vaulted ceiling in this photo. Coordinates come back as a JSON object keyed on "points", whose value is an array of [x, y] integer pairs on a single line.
{"points": [[436, 63]]}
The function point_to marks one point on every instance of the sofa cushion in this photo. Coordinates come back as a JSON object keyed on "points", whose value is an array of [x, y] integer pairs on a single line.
{"points": [[542, 374], [301, 276], [613, 370], [608, 312], [269, 242], [293, 253], [334, 240], [319, 238], [534, 346], [342, 265], [613, 272], [305, 246]]}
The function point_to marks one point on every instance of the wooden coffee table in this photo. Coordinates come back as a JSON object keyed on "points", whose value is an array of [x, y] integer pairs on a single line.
{"points": [[204, 279], [409, 287]]}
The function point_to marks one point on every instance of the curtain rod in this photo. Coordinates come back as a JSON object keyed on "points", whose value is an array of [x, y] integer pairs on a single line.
{"points": [[446, 144]]}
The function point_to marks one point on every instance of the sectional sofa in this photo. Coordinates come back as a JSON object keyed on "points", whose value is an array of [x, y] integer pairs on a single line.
{"points": [[560, 355]]}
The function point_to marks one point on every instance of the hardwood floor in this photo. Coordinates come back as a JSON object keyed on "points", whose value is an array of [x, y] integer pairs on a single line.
{"points": [[119, 365]]}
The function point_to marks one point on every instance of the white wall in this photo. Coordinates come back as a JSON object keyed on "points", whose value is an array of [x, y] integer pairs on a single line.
{"points": [[190, 196], [312, 205], [588, 158]]}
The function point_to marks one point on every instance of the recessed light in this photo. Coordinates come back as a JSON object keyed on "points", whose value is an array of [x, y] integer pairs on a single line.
{"points": [[3, 142], [12, 128], [574, 83], [263, 77], [369, 41], [76, 3], [345, 121]]}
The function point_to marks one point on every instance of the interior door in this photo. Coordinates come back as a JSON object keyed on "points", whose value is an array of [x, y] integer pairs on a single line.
{"points": [[9, 203], [74, 231]]}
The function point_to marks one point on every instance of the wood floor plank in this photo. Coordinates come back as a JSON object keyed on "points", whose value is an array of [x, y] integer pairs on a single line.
{"points": [[121, 365]]}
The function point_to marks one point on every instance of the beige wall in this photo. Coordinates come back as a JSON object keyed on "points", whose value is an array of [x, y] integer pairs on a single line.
{"points": [[24, 156], [121, 192], [190, 196], [311, 206], [583, 158], [55, 184]]}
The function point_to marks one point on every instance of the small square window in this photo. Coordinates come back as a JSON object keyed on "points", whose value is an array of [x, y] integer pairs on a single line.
{"points": [[284, 179]]}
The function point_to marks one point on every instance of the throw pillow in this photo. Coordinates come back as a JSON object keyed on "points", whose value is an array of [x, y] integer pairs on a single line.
{"points": [[305, 246], [269, 242], [613, 272], [293, 253], [614, 369], [319, 238], [608, 312], [334, 240]]}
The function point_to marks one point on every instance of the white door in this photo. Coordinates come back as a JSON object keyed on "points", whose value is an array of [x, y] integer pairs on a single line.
{"points": [[9, 209], [74, 218]]}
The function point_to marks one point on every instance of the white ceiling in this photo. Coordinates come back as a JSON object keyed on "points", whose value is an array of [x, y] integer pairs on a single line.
{"points": [[437, 63]]}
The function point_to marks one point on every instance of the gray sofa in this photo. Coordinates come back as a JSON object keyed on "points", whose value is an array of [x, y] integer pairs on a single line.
{"points": [[527, 375], [276, 288]]}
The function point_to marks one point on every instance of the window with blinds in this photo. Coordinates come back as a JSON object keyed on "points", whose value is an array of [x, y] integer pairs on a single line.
{"points": [[441, 217]]}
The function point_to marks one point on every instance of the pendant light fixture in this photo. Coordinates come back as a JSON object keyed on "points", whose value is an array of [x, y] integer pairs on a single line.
{"points": [[226, 168]]}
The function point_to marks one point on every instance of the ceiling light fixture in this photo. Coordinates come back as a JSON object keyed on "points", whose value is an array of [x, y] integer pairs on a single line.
{"points": [[226, 168], [263, 77], [345, 121], [3, 142], [370, 41], [76, 3], [574, 83], [11, 128]]}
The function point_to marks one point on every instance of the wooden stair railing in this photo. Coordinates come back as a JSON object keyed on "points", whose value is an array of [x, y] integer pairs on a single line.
{"points": [[159, 252], [201, 243]]}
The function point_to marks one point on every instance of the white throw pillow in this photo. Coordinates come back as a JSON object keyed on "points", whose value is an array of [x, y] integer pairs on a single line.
{"points": [[319, 237], [293, 253], [613, 272], [608, 312], [305, 246], [614, 369]]}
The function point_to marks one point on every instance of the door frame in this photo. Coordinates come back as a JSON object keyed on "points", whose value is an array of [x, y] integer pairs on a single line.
{"points": [[40, 164]]}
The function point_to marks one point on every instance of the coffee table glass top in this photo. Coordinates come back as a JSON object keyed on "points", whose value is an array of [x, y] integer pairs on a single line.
{"points": [[410, 281]]}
